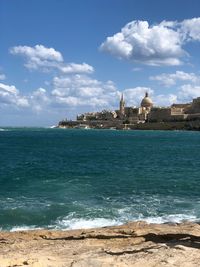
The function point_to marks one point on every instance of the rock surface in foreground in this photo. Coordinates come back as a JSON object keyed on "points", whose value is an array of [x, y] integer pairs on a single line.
{"points": [[135, 244]]}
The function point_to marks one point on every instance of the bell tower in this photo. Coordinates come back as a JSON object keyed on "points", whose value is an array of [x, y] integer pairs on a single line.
{"points": [[122, 105]]}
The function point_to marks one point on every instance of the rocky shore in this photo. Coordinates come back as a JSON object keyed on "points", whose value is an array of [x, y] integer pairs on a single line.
{"points": [[135, 244], [119, 125]]}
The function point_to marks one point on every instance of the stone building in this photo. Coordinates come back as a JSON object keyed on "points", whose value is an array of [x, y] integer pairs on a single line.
{"points": [[103, 115], [145, 113], [159, 114], [195, 106], [122, 106], [176, 112], [145, 107], [124, 114], [133, 114]]}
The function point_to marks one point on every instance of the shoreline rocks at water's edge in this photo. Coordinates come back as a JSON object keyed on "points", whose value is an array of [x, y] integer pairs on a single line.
{"points": [[134, 244], [168, 126]]}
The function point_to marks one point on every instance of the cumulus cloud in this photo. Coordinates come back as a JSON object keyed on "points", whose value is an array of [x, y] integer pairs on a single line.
{"points": [[9, 95], [190, 29], [169, 79], [73, 89], [40, 99], [8, 88], [80, 93], [38, 52], [151, 45], [184, 94], [82, 90], [156, 45], [43, 58], [76, 68], [165, 100], [187, 92], [106, 95]]}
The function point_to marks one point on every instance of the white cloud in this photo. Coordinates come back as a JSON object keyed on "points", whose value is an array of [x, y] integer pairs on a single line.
{"points": [[80, 93], [187, 92], [40, 99], [165, 100], [169, 79], [81, 90], [184, 94], [38, 52], [38, 57], [76, 68], [9, 95], [46, 59], [156, 45], [8, 88], [151, 45], [40, 93], [190, 29]]}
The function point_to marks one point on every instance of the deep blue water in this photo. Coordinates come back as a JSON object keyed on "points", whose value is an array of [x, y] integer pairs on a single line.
{"points": [[56, 178]]}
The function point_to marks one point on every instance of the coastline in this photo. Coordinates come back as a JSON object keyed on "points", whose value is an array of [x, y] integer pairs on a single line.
{"points": [[168, 126], [134, 244]]}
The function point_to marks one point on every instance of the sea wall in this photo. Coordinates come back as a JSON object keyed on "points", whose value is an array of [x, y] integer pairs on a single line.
{"points": [[179, 125]]}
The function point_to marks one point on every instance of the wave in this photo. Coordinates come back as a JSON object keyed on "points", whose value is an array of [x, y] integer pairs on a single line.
{"points": [[79, 223], [173, 218], [82, 223]]}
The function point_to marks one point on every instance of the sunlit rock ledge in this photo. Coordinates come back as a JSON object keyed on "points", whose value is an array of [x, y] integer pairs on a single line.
{"points": [[134, 244]]}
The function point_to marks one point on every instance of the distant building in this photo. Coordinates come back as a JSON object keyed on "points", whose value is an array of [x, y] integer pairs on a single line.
{"points": [[146, 112], [103, 115], [122, 106], [126, 114]]}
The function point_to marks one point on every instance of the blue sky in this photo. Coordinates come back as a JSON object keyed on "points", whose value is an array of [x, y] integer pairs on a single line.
{"points": [[62, 58]]}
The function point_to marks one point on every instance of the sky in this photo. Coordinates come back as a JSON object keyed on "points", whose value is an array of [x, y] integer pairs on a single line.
{"points": [[60, 58]]}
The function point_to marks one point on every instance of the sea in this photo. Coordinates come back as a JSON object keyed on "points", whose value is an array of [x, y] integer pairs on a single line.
{"points": [[78, 178]]}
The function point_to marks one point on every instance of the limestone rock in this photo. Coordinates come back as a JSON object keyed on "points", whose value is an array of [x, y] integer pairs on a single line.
{"points": [[135, 244]]}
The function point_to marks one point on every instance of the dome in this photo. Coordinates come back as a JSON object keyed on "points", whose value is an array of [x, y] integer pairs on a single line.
{"points": [[146, 101]]}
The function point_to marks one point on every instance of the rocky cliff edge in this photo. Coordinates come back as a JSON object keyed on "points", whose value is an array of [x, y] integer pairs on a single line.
{"points": [[136, 244]]}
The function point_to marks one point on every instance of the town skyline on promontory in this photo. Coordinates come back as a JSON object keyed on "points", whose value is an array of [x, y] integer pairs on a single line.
{"points": [[182, 116]]}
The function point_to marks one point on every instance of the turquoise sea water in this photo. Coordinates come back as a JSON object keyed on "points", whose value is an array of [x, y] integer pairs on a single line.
{"points": [[66, 179]]}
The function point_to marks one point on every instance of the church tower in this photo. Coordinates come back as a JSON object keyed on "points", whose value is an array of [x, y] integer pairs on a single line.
{"points": [[122, 105]]}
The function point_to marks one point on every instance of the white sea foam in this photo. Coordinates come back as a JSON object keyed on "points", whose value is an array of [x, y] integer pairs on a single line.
{"points": [[77, 223], [173, 218], [70, 223], [24, 228]]}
